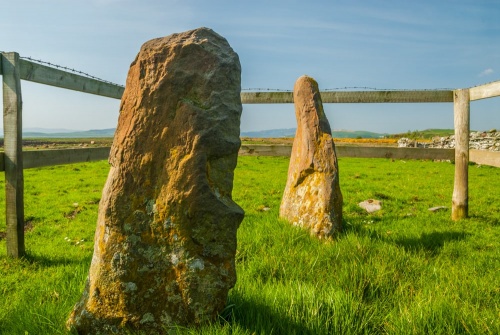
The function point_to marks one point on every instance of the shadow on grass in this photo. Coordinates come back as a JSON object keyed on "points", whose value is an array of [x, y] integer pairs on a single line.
{"points": [[488, 219], [259, 318], [430, 242], [349, 227], [51, 261]]}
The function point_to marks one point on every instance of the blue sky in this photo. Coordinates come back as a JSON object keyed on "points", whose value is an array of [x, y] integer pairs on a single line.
{"points": [[383, 44]]}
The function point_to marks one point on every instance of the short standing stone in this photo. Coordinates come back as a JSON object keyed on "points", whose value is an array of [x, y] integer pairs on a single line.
{"points": [[312, 196], [166, 232]]}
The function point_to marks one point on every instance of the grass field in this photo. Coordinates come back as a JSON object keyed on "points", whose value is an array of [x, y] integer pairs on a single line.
{"points": [[402, 270]]}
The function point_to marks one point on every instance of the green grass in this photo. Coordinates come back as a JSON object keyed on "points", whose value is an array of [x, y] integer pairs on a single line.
{"points": [[424, 134], [402, 270]]}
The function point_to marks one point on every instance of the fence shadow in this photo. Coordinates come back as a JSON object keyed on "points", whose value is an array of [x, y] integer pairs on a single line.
{"points": [[430, 242], [258, 318], [52, 261], [488, 219]]}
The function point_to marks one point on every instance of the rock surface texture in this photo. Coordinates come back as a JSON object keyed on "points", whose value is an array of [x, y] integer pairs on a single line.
{"points": [[312, 196], [166, 231]]}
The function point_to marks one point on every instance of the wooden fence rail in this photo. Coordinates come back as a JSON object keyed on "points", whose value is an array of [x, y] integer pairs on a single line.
{"points": [[354, 151], [41, 158], [485, 91], [46, 75], [353, 97], [14, 69]]}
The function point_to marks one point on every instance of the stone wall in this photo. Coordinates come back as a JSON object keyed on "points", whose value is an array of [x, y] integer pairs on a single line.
{"points": [[487, 140]]}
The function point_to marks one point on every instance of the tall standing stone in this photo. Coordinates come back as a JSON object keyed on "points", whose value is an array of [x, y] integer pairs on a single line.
{"points": [[312, 196], [166, 231]]}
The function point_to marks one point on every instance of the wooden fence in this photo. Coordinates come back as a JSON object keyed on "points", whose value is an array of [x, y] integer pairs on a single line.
{"points": [[14, 69]]}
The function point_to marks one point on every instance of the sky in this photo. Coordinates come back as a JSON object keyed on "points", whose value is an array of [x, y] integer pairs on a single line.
{"points": [[383, 44]]}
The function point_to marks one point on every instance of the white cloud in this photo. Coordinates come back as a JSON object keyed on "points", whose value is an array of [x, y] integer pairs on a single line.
{"points": [[486, 72]]}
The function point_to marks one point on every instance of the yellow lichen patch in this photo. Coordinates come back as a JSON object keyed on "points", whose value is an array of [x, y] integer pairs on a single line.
{"points": [[324, 147], [174, 152], [184, 159], [146, 158]]}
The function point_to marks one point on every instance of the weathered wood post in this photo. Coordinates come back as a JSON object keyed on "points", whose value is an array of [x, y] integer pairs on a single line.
{"points": [[14, 181], [460, 200]]}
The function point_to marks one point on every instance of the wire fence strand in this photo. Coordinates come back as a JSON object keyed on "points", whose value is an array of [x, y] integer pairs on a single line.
{"points": [[350, 88], [345, 88], [65, 68]]}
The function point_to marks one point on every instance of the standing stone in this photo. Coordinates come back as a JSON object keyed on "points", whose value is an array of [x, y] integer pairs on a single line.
{"points": [[165, 241], [312, 196]]}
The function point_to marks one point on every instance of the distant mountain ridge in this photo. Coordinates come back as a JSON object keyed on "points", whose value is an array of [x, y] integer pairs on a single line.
{"points": [[65, 133], [272, 133], [290, 132]]}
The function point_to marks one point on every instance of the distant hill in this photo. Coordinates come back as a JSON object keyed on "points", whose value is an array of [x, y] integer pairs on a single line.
{"points": [[69, 134], [424, 134], [48, 130], [356, 134], [290, 132], [273, 133]]}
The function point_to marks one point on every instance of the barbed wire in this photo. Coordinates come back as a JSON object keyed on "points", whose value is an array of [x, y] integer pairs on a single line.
{"points": [[69, 69], [249, 89], [493, 81], [358, 88], [385, 89], [266, 89]]}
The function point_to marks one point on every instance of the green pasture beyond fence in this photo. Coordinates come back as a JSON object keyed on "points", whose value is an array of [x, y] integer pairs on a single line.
{"points": [[13, 69]]}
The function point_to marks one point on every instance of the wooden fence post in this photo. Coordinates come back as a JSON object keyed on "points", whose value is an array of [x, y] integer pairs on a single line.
{"points": [[14, 181], [460, 200]]}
